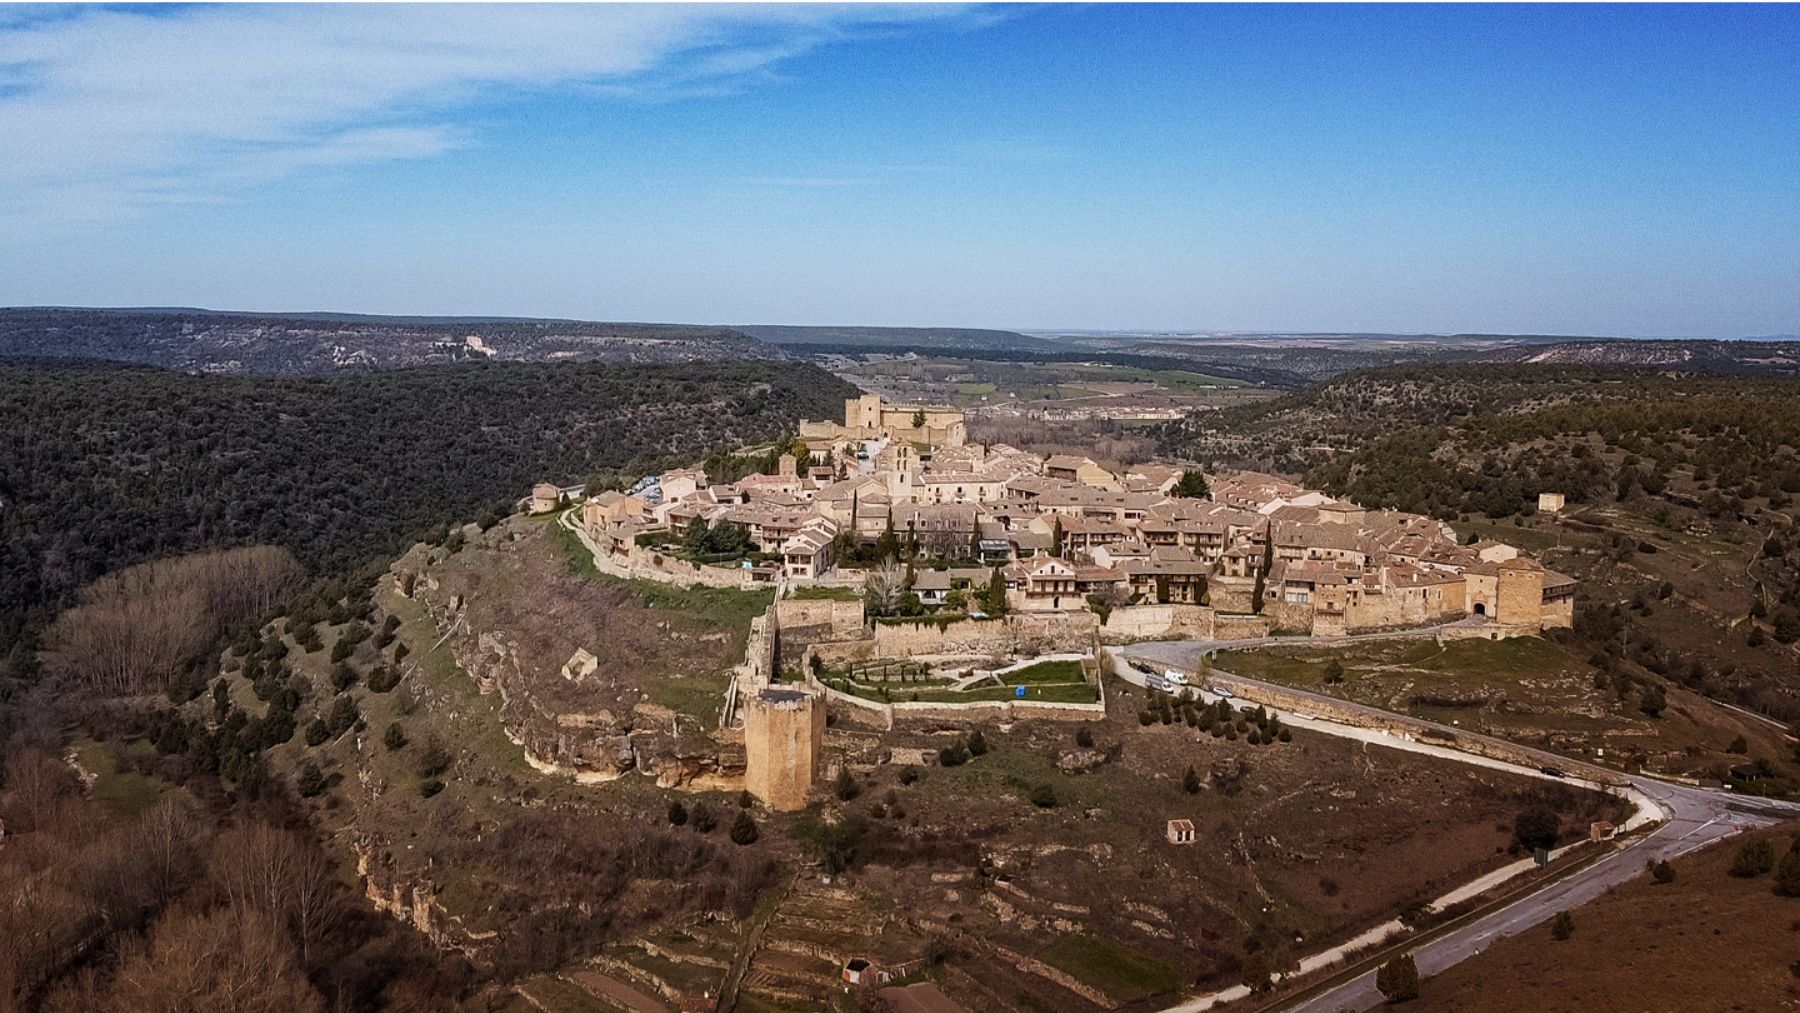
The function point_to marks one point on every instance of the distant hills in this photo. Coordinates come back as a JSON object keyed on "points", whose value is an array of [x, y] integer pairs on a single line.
{"points": [[1764, 357], [298, 344], [886, 338], [305, 344]]}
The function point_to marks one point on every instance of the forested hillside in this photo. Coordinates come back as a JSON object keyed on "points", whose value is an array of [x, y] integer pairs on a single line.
{"points": [[102, 466], [303, 344]]}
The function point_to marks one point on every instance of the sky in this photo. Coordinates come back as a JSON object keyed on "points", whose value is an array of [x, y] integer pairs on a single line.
{"points": [[1615, 170]]}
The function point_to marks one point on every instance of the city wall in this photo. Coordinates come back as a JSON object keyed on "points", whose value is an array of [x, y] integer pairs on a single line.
{"points": [[1129, 623], [1021, 633]]}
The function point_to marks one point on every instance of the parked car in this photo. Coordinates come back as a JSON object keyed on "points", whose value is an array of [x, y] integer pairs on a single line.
{"points": [[1551, 772]]}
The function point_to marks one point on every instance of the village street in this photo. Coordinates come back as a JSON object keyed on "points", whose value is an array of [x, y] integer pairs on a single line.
{"points": [[1688, 818]]}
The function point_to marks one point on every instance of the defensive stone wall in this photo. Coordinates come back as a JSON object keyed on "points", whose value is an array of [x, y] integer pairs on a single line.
{"points": [[1232, 594], [1242, 627], [1021, 633], [807, 622], [1129, 623]]}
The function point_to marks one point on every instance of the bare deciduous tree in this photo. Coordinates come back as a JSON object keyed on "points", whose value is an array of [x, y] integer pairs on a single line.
{"points": [[136, 629], [885, 586], [232, 960], [278, 873]]}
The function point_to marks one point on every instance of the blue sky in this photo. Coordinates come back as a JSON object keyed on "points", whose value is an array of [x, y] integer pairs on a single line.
{"points": [[1599, 170]]}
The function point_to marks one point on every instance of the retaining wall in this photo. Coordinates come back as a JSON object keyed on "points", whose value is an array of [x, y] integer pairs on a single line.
{"points": [[883, 715], [1343, 712]]}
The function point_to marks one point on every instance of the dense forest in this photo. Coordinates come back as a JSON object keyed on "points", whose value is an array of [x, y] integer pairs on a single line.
{"points": [[103, 465], [1349, 413]]}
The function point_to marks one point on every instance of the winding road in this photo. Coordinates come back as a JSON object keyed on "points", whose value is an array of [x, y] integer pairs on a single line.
{"points": [[1685, 819]]}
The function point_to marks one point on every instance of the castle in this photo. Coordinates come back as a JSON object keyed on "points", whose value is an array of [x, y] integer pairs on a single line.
{"points": [[869, 418]]}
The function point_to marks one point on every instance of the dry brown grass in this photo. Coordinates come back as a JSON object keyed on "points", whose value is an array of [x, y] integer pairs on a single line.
{"points": [[1706, 942]]}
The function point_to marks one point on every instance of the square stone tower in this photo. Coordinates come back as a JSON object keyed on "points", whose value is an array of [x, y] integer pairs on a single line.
{"points": [[1519, 593], [784, 736]]}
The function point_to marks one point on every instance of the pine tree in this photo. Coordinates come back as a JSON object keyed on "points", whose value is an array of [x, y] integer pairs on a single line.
{"points": [[977, 743], [1190, 781], [1398, 979], [743, 829], [678, 814], [996, 593], [1787, 875]]}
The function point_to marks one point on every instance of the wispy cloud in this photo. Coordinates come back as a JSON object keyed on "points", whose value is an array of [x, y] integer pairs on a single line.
{"points": [[105, 112]]}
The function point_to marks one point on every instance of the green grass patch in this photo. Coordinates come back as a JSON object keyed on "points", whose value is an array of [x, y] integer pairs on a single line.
{"points": [[728, 606], [1117, 970], [827, 594], [1044, 671], [1056, 692], [976, 389], [126, 794]]}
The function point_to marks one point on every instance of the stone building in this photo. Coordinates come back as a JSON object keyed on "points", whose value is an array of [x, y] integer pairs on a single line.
{"points": [[784, 736], [545, 497], [869, 418]]}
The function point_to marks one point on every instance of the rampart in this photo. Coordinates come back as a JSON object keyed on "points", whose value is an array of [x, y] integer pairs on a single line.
{"points": [[1128, 623]]}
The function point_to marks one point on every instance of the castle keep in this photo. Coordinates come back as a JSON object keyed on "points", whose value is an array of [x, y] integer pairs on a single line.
{"points": [[784, 735]]}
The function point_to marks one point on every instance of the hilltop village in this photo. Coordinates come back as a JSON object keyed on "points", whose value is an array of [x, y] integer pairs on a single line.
{"points": [[919, 575], [1065, 534]]}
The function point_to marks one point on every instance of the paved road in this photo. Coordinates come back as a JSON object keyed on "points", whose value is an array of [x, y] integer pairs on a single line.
{"points": [[1692, 818]]}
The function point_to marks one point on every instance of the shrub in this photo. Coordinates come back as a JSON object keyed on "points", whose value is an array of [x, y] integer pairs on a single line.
{"points": [[1787, 875], [317, 733], [704, 820], [1334, 672], [1563, 926], [395, 738], [977, 743], [1398, 979], [746, 800], [1738, 745], [434, 759], [342, 677], [429, 788], [954, 755], [678, 814], [1084, 737], [743, 829], [910, 775], [1190, 782], [311, 781], [383, 679], [1663, 872], [845, 787], [1753, 858], [1145, 717], [1043, 796], [1256, 976]]}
